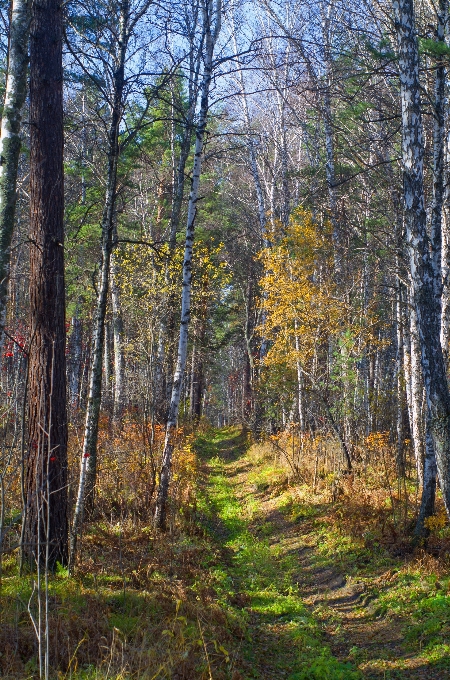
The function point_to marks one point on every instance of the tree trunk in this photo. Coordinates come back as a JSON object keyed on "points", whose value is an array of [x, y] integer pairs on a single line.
{"points": [[301, 414], [196, 391], [75, 360], [167, 329], [327, 113], [211, 33], [106, 390], [45, 522], [429, 489], [440, 122], [10, 139], [416, 396], [401, 467], [118, 343], [430, 467], [425, 272], [88, 470]]}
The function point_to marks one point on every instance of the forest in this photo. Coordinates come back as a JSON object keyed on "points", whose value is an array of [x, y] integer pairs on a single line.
{"points": [[224, 340]]}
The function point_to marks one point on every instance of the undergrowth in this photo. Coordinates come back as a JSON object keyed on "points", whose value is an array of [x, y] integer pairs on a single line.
{"points": [[217, 597], [362, 530]]}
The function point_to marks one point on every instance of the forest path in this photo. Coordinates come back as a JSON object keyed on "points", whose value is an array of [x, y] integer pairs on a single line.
{"points": [[307, 620]]}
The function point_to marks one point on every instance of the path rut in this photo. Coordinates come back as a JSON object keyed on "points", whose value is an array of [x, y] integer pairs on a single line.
{"points": [[376, 646]]}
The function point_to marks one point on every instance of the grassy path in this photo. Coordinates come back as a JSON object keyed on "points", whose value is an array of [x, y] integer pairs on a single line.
{"points": [[319, 604], [258, 580], [259, 575]]}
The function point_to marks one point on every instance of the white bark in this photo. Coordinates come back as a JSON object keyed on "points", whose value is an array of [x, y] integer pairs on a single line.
{"points": [[211, 26], [75, 360], [10, 139], [441, 118], [416, 391], [301, 417], [424, 270], [88, 468], [118, 342]]}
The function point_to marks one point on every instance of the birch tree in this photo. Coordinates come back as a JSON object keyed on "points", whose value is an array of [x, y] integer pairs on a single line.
{"points": [[114, 64], [211, 25], [10, 139], [425, 270]]}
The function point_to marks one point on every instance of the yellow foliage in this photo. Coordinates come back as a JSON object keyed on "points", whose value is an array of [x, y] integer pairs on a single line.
{"points": [[436, 522], [303, 314], [148, 281], [300, 303]]}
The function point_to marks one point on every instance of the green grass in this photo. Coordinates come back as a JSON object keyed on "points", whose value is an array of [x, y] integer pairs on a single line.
{"points": [[223, 593], [282, 635]]}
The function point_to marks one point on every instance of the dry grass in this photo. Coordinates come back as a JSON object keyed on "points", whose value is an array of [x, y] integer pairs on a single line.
{"points": [[370, 503], [140, 605]]}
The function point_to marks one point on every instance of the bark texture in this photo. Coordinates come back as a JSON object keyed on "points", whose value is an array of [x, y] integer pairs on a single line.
{"points": [[10, 139], [46, 530], [424, 270]]}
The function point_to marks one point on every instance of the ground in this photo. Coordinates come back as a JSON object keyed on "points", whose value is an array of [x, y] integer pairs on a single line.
{"points": [[257, 579], [371, 618]]}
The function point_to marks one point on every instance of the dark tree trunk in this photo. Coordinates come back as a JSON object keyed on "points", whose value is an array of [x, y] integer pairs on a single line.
{"points": [[247, 392], [46, 529]]}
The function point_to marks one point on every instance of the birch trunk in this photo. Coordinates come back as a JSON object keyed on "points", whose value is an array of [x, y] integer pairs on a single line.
{"points": [[427, 503], [301, 417], [75, 364], [416, 422], [211, 33], [118, 343], [440, 119], [425, 276], [430, 467], [106, 390], [10, 139], [163, 383], [399, 378], [88, 470]]}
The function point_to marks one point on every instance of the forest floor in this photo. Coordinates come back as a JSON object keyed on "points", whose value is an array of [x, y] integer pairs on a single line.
{"points": [[260, 579], [320, 604]]}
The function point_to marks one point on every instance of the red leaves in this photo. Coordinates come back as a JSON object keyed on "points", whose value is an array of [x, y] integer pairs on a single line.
{"points": [[16, 339]]}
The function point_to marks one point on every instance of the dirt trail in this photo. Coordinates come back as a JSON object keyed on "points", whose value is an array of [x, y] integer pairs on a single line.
{"points": [[375, 646]]}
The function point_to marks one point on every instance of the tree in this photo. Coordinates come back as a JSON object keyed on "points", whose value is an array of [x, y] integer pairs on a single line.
{"points": [[45, 535], [212, 18], [120, 34], [425, 263], [10, 140]]}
